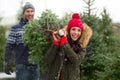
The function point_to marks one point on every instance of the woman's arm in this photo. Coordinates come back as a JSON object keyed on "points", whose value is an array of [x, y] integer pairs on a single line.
{"points": [[75, 58], [51, 53]]}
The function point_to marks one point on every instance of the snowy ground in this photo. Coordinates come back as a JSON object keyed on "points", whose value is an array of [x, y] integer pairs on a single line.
{"points": [[4, 75]]}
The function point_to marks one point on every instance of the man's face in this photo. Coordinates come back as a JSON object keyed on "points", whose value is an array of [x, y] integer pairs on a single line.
{"points": [[29, 14]]}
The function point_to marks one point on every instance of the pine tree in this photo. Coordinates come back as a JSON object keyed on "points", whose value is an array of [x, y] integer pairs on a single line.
{"points": [[89, 9], [38, 36], [2, 45], [104, 49]]}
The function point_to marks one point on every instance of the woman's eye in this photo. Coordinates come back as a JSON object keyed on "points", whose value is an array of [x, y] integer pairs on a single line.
{"points": [[73, 29], [79, 30]]}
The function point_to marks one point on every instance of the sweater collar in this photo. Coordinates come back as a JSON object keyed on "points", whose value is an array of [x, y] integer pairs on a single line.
{"points": [[23, 21]]}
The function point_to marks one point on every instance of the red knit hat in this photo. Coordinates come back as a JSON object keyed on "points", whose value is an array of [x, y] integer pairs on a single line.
{"points": [[75, 22]]}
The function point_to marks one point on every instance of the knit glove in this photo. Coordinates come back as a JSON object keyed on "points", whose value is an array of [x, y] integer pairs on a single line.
{"points": [[56, 42], [63, 40], [8, 69]]}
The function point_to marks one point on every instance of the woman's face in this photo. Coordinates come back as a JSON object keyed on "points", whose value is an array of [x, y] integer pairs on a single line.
{"points": [[75, 33]]}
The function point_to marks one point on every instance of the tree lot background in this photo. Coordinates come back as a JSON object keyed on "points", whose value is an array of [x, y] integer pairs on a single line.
{"points": [[102, 60]]}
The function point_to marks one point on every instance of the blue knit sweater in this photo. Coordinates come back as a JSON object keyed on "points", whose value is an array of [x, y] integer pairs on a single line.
{"points": [[15, 44]]}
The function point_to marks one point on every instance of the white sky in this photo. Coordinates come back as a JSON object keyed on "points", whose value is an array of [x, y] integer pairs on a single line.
{"points": [[9, 8]]}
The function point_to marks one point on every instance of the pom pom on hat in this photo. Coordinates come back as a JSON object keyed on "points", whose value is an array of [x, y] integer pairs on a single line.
{"points": [[28, 5], [75, 22], [76, 15]]}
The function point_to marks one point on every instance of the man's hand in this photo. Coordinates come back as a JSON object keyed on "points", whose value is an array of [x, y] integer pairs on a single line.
{"points": [[8, 69]]}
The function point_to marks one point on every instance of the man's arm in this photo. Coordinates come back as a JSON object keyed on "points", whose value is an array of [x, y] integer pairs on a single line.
{"points": [[8, 51]]}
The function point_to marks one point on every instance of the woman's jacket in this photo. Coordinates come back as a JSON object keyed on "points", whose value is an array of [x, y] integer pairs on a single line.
{"points": [[64, 61]]}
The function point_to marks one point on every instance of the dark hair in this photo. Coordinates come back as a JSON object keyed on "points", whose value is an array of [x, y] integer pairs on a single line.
{"points": [[74, 44]]}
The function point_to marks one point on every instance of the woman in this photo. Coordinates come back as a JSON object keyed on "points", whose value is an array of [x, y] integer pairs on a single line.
{"points": [[68, 50]]}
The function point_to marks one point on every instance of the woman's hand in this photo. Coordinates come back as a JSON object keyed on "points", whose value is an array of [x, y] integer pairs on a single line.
{"points": [[56, 36], [63, 39], [59, 37]]}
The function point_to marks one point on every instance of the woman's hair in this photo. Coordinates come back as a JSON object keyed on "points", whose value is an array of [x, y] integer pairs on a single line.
{"points": [[74, 44]]}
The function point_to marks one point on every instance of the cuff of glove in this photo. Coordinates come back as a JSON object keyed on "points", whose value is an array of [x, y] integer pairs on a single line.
{"points": [[63, 40], [56, 42]]}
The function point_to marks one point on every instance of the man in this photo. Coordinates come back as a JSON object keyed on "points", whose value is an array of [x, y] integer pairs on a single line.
{"points": [[24, 70]]}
